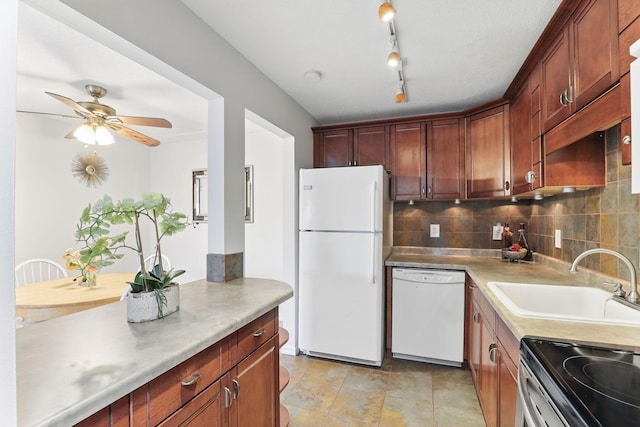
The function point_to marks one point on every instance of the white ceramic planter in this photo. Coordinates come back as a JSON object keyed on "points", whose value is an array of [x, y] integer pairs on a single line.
{"points": [[143, 306]]}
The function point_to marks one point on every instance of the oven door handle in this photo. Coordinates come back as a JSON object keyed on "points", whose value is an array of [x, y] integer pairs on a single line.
{"points": [[527, 410]]}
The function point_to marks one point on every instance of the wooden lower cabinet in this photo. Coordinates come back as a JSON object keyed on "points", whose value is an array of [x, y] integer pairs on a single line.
{"points": [[114, 415], [492, 356], [507, 388], [234, 382], [256, 400]]}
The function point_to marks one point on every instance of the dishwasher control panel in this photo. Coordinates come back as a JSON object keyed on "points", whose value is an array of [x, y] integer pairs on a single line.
{"points": [[428, 276]]}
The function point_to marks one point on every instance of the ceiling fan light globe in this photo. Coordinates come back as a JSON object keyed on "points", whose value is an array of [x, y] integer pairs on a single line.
{"points": [[103, 136], [386, 11], [85, 134]]}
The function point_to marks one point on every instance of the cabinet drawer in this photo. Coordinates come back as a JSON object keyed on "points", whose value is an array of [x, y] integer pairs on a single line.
{"points": [[203, 410], [509, 342], [486, 310], [256, 333], [177, 386]]}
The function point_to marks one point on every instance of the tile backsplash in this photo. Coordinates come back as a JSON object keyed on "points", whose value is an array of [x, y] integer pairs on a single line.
{"points": [[607, 217]]}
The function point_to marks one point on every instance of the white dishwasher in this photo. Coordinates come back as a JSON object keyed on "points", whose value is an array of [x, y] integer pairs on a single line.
{"points": [[428, 315]]}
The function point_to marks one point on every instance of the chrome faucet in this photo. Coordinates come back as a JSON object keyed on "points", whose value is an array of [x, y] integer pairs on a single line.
{"points": [[633, 295]]}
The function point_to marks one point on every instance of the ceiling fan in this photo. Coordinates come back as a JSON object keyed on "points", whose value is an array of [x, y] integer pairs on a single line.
{"points": [[99, 119]]}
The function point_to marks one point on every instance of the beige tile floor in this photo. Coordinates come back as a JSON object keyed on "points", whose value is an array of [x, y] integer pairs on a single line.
{"points": [[326, 393]]}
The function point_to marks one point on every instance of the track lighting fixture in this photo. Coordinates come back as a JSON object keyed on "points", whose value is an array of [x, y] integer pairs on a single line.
{"points": [[393, 60], [401, 95], [386, 11]]}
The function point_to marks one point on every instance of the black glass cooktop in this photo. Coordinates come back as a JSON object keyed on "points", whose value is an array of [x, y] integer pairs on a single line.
{"points": [[591, 385]]}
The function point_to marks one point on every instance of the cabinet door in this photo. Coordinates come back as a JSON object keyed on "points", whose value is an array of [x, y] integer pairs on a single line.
{"points": [[507, 389], [488, 158], [370, 145], [521, 161], [445, 159], [475, 334], [256, 393], [488, 390], [408, 161], [556, 81], [205, 410], [334, 148], [595, 43]]}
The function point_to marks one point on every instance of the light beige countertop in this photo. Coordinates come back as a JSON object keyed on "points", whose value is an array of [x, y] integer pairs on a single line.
{"points": [[72, 366], [487, 266]]}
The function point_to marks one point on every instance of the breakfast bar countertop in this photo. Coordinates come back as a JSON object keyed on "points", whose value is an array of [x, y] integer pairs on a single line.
{"points": [[72, 366], [487, 266]]}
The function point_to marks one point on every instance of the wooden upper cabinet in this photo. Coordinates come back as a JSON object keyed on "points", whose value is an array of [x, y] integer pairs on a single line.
{"points": [[445, 159], [370, 146], [408, 161], [556, 80], [333, 148], [582, 62], [488, 162], [595, 43], [360, 146], [521, 141]]}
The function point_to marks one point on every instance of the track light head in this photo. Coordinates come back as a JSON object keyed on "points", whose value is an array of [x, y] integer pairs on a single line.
{"points": [[393, 60], [386, 11]]}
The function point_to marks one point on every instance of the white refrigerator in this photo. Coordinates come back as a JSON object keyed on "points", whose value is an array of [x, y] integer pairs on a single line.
{"points": [[345, 223]]}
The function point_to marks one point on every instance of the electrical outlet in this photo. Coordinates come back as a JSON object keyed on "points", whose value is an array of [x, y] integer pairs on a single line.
{"points": [[559, 239], [434, 230]]}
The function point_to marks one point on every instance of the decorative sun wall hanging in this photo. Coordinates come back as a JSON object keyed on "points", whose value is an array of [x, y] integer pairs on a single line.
{"points": [[90, 169]]}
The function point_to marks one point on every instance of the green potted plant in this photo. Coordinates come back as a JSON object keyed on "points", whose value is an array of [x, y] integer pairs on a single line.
{"points": [[152, 294]]}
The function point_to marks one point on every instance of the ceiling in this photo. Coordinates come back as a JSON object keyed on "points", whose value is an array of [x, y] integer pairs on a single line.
{"points": [[458, 54], [54, 58]]}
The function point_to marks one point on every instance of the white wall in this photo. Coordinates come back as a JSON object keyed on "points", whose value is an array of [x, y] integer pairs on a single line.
{"points": [[49, 199], [170, 173], [8, 32], [44, 183], [174, 35], [264, 238], [268, 242]]}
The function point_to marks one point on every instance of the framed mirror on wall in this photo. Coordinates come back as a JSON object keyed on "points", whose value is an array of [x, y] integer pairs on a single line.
{"points": [[200, 205], [248, 193]]}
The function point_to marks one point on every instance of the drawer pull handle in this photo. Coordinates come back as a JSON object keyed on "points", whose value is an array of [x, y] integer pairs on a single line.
{"points": [[259, 332], [192, 379], [236, 388], [227, 398], [493, 350]]}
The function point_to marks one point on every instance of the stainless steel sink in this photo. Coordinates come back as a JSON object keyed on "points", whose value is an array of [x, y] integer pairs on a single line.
{"points": [[571, 303]]}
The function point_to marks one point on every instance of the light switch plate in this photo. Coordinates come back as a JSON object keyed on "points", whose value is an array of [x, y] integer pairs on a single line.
{"points": [[434, 230], [558, 239], [497, 232]]}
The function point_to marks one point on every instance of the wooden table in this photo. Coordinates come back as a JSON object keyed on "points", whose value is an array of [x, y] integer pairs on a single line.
{"points": [[45, 300]]}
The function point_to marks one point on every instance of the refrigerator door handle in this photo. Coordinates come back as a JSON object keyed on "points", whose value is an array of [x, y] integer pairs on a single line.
{"points": [[373, 207], [373, 258]]}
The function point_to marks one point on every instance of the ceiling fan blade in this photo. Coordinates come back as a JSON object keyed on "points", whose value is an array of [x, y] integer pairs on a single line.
{"points": [[50, 114], [135, 135], [141, 121], [70, 135], [70, 103]]}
